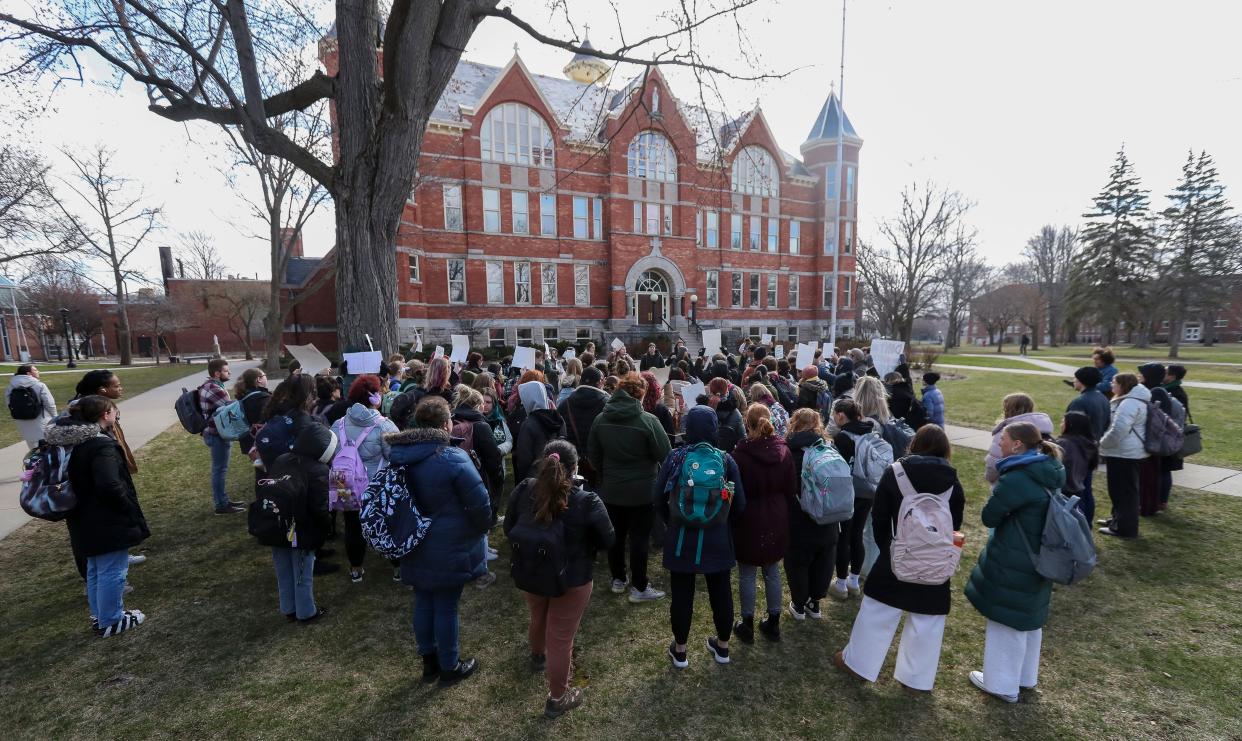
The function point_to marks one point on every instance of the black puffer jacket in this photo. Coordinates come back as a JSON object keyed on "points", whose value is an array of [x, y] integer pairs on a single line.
{"points": [[541, 426], [108, 517], [579, 411], [587, 528], [306, 466]]}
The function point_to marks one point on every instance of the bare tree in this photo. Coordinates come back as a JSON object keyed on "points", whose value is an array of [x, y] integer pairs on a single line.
{"points": [[199, 256], [29, 226], [881, 289], [920, 239], [117, 225], [212, 61], [244, 306], [997, 309], [966, 277], [159, 315], [51, 283], [1049, 256]]}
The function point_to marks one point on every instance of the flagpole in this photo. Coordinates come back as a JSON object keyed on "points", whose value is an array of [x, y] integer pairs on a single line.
{"points": [[840, 171]]}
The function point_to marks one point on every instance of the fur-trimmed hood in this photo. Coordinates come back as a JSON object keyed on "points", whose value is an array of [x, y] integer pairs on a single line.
{"points": [[66, 432], [417, 435], [416, 444]]}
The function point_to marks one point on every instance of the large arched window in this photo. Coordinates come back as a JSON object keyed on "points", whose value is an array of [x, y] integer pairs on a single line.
{"points": [[651, 156], [755, 172], [515, 133]]}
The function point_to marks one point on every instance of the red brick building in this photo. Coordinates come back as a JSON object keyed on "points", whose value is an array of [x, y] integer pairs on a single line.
{"points": [[559, 208]]}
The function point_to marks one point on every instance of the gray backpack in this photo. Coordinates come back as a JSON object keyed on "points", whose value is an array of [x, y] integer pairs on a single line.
{"points": [[1066, 551]]}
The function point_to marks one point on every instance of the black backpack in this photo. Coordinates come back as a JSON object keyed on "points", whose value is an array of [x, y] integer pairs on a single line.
{"points": [[274, 439], [539, 555], [273, 516], [189, 413], [24, 403]]}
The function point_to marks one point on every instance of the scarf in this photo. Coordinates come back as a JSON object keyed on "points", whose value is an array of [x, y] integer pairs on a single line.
{"points": [[1017, 461]]}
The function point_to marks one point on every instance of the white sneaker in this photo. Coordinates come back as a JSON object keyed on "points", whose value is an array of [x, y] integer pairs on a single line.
{"points": [[618, 586], [136, 558], [797, 614], [649, 594], [976, 678], [492, 555], [851, 584], [838, 590]]}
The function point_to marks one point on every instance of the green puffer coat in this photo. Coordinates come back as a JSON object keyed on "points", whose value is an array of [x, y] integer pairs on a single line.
{"points": [[1004, 585], [626, 446]]}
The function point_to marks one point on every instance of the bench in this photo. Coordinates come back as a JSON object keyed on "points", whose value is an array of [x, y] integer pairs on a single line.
{"points": [[191, 358]]}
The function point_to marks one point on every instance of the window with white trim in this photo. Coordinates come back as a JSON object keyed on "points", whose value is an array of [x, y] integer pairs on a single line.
{"points": [[668, 218], [638, 217], [547, 214], [793, 291], [830, 239], [651, 156], [521, 211], [583, 334], [735, 231], [847, 243], [1221, 323], [737, 290], [582, 217], [452, 207], [754, 290], [713, 289], [851, 175], [832, 182], [521, 283], [456, 270], [582, 285], [827, 291], [495, 281], [491, 210], [547, 283], [515, 133], [496, 338], [653, 218], [525, 336], [847, 291], [415, 272], [774, 235], [846, 330], [795, 233], [713, 230], [756, 226], [755, 172], [698, 228], [793, 334], [771, 292], [551, 334], [597, 218]]}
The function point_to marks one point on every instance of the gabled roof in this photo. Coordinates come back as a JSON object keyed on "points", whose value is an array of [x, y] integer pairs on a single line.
{"points": [[828, 122], [299, 269]]}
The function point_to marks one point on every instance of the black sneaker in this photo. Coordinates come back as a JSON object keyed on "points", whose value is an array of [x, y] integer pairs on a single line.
{"points": [[461, 671], [744, 629], [431, 667], [235, 503], [230, 509], [129, 619], [553, 709], [721, 655], [799, 613], [314, 618], [812, 609], [538, 662], [770, 627], [679, 657]]}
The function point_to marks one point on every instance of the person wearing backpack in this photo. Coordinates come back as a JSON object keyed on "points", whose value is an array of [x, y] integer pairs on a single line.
{"points": [[885, 596], [30, 403], [626, 447], [812, 546], [1004, 585], [761, 533], [1156, 477], [447, 488], [933, 399], [705, 548], [1017, 407], [290, 515], [252, 392], [872, 398], [902, 403], [476, 433], [212, 395], [1080, 454], [107, 520], [856, 431], [1123, 451], [759, 394], [728, 406], [542, 423], [362, 452], [551, 512]]}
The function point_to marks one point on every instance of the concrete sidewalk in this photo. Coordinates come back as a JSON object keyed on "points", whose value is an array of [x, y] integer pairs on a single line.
{"points": [[143, 417], [1205, 478], [1069, 372]]}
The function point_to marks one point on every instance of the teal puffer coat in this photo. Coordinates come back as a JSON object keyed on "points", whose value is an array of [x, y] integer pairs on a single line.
{"points": [[1004, 585]]}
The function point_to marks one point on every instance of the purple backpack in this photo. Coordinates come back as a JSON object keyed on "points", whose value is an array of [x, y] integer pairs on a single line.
{"points": [[347, 478]]}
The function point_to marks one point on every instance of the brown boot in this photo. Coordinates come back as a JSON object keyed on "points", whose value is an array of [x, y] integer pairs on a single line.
{"points": [[838, 660]]}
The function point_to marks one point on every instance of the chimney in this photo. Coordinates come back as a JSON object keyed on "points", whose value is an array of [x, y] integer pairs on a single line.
{"points": [[292, 240], [166, 262], [180, 269]]}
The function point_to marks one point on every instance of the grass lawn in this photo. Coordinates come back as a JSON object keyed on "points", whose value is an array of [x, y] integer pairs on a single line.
{"points": [[975, 401], [1147, 648], [134, 380], [981, 361], [1126, 354]]}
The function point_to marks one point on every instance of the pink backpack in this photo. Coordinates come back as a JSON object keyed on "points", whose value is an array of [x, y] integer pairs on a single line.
{"points": [[347, 478], [922, 551]]}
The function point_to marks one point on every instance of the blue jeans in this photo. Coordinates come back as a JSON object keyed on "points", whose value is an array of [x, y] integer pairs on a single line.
{"points": [[1086, 503], [746, 587], [105, 585], [220, 451], [435, 624], [294, 580]]}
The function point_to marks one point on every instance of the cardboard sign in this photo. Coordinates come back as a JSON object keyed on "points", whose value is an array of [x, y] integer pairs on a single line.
{"points": [[617, 344], [363, 362], [711, 342], [691, 392], [524, 357], [461, 348], [312, 361], [886, 354]]}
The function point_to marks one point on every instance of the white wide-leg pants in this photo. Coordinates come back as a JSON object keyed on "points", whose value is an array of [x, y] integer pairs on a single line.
{"points": [[918, 653], [1010, 658]]}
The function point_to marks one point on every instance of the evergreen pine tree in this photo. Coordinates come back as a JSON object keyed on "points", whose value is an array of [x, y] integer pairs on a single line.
{"points": [[1118, 248], [1201, 257]]}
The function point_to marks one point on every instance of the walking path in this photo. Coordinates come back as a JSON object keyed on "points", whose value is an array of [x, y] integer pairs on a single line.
{"points": [[144, 416], [1064, 371]]}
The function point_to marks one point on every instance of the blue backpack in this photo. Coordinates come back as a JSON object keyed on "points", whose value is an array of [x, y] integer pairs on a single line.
{"points": [[391, 522], [230, 419], [274, 439], [703, 495]]}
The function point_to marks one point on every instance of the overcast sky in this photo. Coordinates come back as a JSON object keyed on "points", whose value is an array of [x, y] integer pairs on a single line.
{"points": [[1020, 106]]}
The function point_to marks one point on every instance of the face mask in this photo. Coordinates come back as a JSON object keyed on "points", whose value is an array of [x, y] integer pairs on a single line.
{"points": [[374, 399]]}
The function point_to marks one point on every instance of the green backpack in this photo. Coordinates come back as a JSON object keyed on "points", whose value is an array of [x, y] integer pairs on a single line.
{"points": [[703, 495]]}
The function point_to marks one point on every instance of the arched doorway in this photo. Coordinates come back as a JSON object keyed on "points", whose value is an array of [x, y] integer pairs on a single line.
{"points": [[650, 304]]}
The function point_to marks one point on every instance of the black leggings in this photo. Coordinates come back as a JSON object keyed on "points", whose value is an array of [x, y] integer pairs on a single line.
{"points": [[809, 560], [681, 607], [355, 546], [636, 523], [850, 553]]}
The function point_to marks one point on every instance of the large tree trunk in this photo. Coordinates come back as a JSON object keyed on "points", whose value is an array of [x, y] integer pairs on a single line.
{"points": [[366, 295], [273, 328], [1177, 324], [122, 323]]}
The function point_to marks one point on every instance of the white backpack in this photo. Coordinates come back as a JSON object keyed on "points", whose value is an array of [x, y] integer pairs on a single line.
{"points": [[872, 457], [922, 551]]}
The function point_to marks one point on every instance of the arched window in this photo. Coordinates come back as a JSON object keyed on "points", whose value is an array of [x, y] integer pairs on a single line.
{"points": [[651, 282], [651, 156], [515, 133], [755, 172]]}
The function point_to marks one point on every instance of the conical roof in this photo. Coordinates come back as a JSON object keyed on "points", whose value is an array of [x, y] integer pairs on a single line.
{"points": [[828, 124]]}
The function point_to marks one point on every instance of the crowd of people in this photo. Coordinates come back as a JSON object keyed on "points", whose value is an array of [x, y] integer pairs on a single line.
{"points": [[606, 457]]}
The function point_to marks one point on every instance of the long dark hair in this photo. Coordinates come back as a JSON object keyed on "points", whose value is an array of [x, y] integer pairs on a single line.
{"points": [[291, 395], [553, 479], [90, 408], [92, 382]]}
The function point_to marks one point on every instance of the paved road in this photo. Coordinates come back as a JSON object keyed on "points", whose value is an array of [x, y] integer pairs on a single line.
{"points": [[144, 416], [1068, 372]]}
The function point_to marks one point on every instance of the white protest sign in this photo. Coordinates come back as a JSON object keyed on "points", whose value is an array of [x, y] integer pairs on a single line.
{"points": [[461, 348], [661, 374], [617, 344], [309, 357], [805, 353], [780, 352], [570, 354], [711, 342], [418, 342], [827, 350], [691, 392], [547, 351], [363, 362], [886, 354], [524, 357], [765, 339], [438, 353]]}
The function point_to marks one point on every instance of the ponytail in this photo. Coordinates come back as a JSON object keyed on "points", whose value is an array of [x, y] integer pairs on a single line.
{"points": [[554, 480], [759, 422], [1030, 437]]}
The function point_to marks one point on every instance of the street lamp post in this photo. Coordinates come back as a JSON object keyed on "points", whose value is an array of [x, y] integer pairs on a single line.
{"points": [[694, 306], [64, 319]]}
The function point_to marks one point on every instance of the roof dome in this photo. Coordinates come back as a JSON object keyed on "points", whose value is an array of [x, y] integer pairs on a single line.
{"points": [[586, 68]]}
